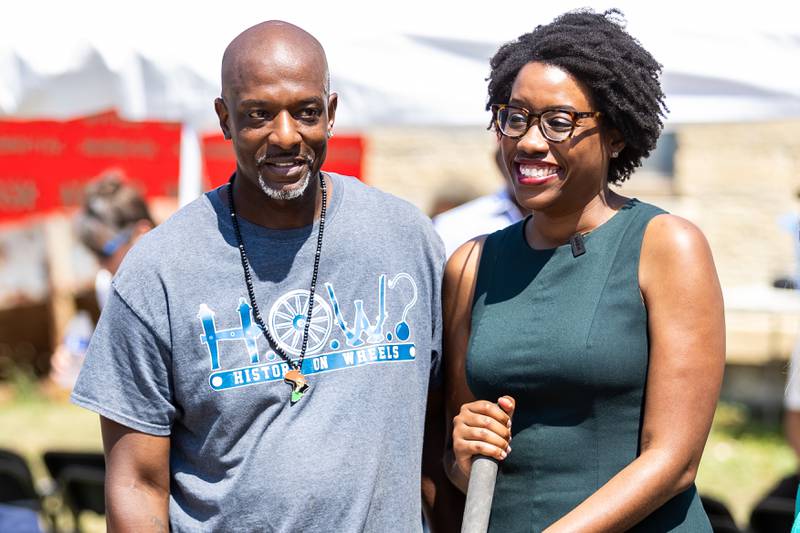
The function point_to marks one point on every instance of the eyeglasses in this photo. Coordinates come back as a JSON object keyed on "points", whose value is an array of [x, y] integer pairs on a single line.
{"points": [[556, 125]]}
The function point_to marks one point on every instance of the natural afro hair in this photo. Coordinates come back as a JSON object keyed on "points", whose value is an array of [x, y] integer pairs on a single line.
{"points": [[622, 77]]}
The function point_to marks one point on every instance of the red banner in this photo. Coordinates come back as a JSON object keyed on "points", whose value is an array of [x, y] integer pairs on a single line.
{"points": [[345, 156], [44, 164]]}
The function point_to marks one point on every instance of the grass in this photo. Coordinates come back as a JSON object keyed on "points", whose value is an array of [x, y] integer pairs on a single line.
{"points": [[742, 459], [36, 419]]}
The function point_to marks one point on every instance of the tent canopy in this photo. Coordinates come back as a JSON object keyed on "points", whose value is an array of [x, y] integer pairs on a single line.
{"points": [[410, 63]]}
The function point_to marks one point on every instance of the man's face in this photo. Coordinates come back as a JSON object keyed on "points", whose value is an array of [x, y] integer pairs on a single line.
{"points": [[278, 113]]}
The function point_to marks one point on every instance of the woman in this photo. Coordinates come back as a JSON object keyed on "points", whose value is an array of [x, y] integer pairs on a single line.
{"points": [[596, 324]]}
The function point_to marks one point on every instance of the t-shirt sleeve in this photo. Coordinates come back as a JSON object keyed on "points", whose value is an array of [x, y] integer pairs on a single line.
{"points": [[127, 376], [436, 310]]}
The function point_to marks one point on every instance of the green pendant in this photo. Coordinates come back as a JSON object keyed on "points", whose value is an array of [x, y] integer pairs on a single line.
{"points": [[299, 384]]}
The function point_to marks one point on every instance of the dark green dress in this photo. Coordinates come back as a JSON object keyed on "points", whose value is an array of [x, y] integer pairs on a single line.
{"points": [[567, 338]]}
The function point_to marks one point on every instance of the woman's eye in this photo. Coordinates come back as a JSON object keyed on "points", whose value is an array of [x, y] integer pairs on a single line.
{"points": [[517, 119], [559, 123]]}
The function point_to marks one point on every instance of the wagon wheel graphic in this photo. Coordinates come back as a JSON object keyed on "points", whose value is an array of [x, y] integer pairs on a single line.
{"points": [[287, 319]]}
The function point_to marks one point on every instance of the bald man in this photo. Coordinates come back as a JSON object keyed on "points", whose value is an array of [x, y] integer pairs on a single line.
{"points": [[263, 361]]}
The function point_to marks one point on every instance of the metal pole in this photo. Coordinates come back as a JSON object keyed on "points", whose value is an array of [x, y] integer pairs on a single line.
{"points": [[190, 183], [479, 495]]}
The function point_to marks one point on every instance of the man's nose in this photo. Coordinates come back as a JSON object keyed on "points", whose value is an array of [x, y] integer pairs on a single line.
{"points": [[284, 131]]}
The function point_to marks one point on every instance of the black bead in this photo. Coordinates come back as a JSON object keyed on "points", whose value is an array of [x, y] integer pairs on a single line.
{"points": [[249, 281]]}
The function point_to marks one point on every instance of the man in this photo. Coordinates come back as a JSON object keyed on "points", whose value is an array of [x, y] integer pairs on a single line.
{"points": [[263, 361]]}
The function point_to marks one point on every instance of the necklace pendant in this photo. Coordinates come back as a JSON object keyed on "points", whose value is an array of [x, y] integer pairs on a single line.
{"points": [[299, 384]]}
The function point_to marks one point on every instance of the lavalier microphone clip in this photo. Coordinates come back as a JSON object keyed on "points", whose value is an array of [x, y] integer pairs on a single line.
{"points": [[577, 245]]}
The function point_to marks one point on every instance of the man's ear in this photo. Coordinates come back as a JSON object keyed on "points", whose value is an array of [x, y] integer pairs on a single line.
{"points": [[333, 101], [222, 113]]}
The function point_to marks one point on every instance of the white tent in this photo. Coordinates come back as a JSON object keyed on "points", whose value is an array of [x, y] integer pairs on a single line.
{"points": [[410, 62]]}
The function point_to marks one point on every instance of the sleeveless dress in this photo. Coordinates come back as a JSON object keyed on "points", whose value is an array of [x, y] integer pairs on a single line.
{"points": [[567, 338]]}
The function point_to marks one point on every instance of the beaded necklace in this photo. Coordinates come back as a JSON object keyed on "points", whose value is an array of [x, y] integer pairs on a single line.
{"points": [[294, 376]]}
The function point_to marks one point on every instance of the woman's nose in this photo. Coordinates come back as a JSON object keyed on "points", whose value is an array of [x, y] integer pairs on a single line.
{"points": [[533, 142]]}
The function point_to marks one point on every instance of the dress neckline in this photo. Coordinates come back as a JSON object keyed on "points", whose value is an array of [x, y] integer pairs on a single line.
{"points": [[599, 230]]}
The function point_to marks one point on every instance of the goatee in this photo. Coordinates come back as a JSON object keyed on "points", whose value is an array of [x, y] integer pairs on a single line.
{"points": [[285, 194]]}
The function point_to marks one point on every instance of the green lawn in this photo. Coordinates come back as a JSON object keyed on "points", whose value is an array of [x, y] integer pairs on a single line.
{"points": [[31, 423], [741, 461]]}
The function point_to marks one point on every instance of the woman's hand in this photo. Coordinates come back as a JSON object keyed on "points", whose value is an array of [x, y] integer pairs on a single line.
{"points": [[482, 428]]}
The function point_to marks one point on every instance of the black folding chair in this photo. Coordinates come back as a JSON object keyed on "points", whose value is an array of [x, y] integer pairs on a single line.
{"points": [[775, 512], [80, 478], [719, 515], [18, 489], [16, 482], [773, 515]]}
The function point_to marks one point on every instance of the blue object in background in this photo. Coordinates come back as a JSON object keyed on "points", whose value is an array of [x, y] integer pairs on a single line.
{"points": [[18, 519], [796, 526]]}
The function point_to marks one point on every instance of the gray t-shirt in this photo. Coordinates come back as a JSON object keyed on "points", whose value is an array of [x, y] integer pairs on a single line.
{"points": [[177, 352]]}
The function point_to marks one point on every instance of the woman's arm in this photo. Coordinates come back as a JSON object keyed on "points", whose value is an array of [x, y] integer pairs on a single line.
{"points": [[477, 427], [687, 357]]}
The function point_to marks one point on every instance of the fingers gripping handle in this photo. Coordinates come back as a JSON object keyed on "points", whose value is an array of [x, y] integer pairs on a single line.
{"points": [[479, 495]]}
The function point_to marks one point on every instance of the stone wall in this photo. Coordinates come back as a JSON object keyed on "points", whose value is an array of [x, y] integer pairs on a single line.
{"points": [[421, 164], [735, 181]]}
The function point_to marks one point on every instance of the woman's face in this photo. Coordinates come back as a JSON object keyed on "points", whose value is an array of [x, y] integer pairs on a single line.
{"points": [[559, 178]]}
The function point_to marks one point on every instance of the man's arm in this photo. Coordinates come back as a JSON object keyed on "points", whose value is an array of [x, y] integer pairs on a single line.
{"points": [[137, 479], [442, 502]]}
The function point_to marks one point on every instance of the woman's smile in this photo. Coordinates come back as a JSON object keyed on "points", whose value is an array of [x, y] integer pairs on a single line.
{"points": [[535, 172]]}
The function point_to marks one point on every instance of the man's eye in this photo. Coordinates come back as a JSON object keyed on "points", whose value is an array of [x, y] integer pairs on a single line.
{"points": [[309, 114], [258, 114], [516, 119]]}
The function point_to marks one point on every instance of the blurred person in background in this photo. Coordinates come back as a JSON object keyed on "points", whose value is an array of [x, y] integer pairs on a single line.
{"points": [[449, 195], [790, 486], [480, 216], [791, 404], [112, 217], [593, 330], [766, 515], [774, 512]]}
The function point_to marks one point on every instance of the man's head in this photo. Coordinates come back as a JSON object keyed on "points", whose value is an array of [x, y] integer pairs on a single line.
{"points": [[276, 107], [113, 216]]}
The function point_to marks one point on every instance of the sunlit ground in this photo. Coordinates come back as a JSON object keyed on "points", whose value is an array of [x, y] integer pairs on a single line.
{"points": [[742, 460]]}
